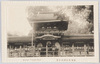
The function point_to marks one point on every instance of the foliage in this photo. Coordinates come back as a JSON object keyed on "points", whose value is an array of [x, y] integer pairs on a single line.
{"points": [[80, 17]]}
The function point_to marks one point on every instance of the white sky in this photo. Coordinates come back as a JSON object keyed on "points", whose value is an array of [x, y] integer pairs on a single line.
{"points": [[17, 22]]}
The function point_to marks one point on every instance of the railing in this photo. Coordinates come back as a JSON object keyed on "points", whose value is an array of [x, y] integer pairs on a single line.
{"points": [[40, 33], [52, 52]]}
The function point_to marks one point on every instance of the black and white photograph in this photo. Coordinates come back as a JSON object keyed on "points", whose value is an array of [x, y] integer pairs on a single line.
{"points": [[50, 31]]}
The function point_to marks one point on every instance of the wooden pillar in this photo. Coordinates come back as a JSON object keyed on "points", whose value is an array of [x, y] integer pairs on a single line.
{"points": [[34, 50], [32, 43], [39, 52], [9, 51], [59, 51], [46, 50], [85, 48], [32, 35], [73, 49], [53, 53], [10, 47], [20, 49], [39, 49], [15, 48], [62, 50]]}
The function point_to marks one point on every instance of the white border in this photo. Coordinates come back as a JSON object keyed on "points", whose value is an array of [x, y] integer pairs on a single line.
{"points": [[6, 4]]}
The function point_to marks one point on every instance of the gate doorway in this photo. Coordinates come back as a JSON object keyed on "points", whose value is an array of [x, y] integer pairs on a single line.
{"points": [[51, 49]]}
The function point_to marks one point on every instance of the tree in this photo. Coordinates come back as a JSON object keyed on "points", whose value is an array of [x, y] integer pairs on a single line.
{"points": [[80, 17]]}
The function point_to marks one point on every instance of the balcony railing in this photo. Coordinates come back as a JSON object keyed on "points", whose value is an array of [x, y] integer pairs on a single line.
{"points": [[38, 32]]}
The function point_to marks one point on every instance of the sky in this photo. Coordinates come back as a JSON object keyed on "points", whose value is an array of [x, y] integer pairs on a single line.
{"points": [[17, 22]]}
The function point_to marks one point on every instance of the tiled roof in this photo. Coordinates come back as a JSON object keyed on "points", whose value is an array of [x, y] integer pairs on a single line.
{"points": [[43, 17]]}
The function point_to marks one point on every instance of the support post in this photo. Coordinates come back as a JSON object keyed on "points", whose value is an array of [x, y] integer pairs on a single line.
{"points": [[20, 51], [62, 50], [73, 49], [10, 47], [46, 50], [85, 49], [9, 52], [59, 49], [32, 44], [32, 35]]}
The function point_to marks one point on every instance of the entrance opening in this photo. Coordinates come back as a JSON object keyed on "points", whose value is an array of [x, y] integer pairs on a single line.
{"points": [[48, 49]]}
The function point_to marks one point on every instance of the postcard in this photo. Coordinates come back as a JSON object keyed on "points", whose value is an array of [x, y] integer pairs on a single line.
{"points": [[50, 31]]}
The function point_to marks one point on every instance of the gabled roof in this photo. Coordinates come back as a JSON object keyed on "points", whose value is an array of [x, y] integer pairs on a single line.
{"points": [[42, 17]]}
